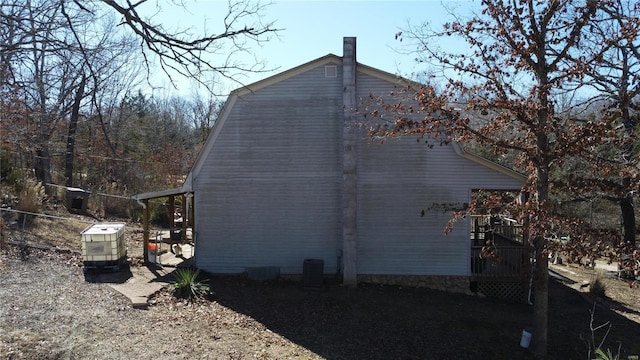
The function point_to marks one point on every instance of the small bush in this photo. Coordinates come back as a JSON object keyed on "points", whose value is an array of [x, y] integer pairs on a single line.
{"points": [[25, 252], [15, 178], [9, 173], [31, 199], [187, 285], [3, 235], [608, 355], [159, 214], [596, 346], [598, 288], [114, 206]]}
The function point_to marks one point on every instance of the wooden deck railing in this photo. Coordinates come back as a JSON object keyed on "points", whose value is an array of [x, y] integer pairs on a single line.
{"points": [[503, 261], [497, 248], [484, 226]]}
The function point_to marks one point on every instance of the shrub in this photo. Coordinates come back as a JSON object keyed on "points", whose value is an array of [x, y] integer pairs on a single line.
{"points": [[159, 213], [3, 235], [115, 206], [596, 346], [608, 355], [629, 264], [25, 252], [31, 199], [15, 178], [5, 165], [598, 288], [187, 285]]}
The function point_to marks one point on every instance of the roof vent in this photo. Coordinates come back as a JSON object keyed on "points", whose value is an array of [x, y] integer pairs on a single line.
{"points": [[330, 71]]}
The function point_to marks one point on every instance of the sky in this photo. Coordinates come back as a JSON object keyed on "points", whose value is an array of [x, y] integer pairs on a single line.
{"points": [[312, 29]]}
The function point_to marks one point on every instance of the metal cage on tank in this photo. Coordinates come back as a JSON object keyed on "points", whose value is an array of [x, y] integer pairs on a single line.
{"points": [[103, 246]]}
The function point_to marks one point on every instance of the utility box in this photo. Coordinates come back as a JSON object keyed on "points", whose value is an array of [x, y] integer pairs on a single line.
{"points": [[312, 273], [103, 246], [76, 200]]}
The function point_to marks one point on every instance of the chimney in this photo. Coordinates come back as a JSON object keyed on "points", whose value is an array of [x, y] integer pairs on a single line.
{"points": [[349, 64], [349, 165]]}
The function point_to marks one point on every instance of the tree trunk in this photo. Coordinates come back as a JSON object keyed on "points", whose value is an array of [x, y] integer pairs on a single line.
{"points": [[626, 203], [539, 339], [71, 136], [43, 165], [628, 218], [541, 299]]}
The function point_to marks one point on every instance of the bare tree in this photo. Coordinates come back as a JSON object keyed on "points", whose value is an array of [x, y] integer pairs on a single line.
{"points": [[49, 48], [47, 63], [47, 73], [615, 43], [71, 137], [188, 56], [204, 112]]}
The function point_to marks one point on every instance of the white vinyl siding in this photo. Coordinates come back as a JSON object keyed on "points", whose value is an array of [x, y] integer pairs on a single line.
{"points": [[399, 179], [269, 192]]}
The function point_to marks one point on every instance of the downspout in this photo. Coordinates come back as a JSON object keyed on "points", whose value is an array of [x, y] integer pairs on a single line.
{"points": [[533, 267], [190, 216], [144, 206]]}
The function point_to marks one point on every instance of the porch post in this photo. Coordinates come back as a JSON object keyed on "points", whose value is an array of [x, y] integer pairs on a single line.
{"points": [[172, 211], [185, 219], [145, 231]]}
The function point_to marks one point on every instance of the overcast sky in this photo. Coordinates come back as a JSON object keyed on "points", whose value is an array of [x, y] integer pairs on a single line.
{"points": [[312, 29]]}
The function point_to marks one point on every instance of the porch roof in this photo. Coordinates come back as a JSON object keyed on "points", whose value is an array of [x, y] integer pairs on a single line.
{"points": [[159, 194]]}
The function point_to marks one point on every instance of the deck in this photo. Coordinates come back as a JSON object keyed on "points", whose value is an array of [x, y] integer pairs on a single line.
{"points": [[501, 261]]}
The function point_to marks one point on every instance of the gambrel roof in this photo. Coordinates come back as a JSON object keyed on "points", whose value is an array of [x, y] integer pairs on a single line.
{"points": [[322, 61]]}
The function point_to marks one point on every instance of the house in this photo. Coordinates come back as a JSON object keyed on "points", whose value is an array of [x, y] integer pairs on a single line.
{"points": [[287, 175]]}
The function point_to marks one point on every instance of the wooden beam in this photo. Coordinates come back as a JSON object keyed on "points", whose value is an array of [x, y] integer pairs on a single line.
{"points": [[172, 211], [145, 231], [183, 214]]}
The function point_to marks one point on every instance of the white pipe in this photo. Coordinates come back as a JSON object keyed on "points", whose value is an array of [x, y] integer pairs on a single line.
{"points": [[533, 267], [144, 206]]}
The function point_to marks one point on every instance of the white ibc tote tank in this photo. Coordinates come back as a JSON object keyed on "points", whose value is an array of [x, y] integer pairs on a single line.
{"points": [[103, 246]]}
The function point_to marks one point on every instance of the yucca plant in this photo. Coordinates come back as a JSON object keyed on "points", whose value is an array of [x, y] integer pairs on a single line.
{"points": [[608, 355], [187, 285], [595, 347]]}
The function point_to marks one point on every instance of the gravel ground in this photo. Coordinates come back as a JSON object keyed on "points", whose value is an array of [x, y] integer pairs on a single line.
{"points": [[49, 311]]}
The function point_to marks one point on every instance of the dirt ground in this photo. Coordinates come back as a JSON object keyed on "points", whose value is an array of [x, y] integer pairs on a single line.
{"points": [[49, 311]]}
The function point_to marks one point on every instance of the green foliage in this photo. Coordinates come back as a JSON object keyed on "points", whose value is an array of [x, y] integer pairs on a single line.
{"points": [[15, 178], [601, 355], [10, 174], [595, 346], [5, 166], [187, 285], [159, 212]]}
